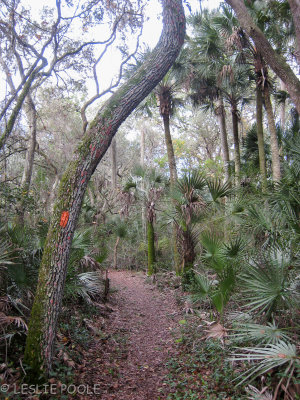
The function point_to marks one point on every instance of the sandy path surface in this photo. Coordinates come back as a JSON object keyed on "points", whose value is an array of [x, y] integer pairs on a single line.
{"points": [[129, 362]]}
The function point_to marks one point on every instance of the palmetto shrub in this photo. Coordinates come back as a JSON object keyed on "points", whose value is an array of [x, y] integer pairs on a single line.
{"points": [[268, 284]]}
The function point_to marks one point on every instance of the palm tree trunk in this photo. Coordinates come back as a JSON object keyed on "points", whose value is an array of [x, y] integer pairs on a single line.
{"points": [[151, 247], [170, 149], [275, 60], [235, 131], [96, 140], [273, 137], [282, 107], [173, 179], [260, 138], [220, 112]]}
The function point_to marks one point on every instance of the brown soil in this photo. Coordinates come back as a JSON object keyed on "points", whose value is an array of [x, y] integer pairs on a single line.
{"points": [[129, 360]]}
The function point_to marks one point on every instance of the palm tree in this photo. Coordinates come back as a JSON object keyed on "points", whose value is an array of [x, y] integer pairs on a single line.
{"points": [[149, 184], [164, 97], [217, 76], [205, 61], [189, 208], [249, 54]]}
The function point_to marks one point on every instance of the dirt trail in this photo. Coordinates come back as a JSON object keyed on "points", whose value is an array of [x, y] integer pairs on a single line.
{"points": [[131, 363]]}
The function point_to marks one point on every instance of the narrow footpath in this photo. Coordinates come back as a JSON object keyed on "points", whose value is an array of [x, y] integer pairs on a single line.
{"points": [[129, 360]]}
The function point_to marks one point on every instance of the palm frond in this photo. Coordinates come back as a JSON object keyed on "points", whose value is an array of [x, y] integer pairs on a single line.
{"points": [[87, 285], [6, 253], [267, 286], [6, 320], [266, 358], [217, 189], [213, 251], [269, 333], [235, 247]]}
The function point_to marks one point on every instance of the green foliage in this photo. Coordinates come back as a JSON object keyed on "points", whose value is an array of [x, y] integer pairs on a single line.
{"points": [[258, 333], [269, 357], [268, 284], [217, 189]]}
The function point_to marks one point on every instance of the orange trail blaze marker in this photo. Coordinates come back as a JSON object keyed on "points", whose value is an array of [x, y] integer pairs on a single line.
{"points": [[64, 218]]}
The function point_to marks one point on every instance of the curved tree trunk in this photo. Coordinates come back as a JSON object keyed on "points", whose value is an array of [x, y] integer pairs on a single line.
{"points": [[53, 269], [260, 138], [236, 141], [220, 112], [273, 137]]}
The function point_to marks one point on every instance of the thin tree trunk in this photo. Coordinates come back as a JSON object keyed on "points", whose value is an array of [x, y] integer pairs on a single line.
{"points": [[113, 158], [260, 138], [220, 112], [28, 167], [170, 149], [236, 141], [115, 252], [173, 179], [295, 8], [142, 160], [142, 155], [276, 61], [47, 303], [19, 103], [91, 196], [282, 107], [151, 247], [53, 193], [273, 137]]}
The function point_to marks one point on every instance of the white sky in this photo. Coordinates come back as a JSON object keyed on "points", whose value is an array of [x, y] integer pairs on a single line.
{"points": [[109, 66]]}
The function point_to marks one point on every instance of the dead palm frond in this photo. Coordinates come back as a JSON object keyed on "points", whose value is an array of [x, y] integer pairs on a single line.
{"points": [[6, 320]]}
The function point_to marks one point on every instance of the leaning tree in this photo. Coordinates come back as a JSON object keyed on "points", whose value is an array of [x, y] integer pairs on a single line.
{"points": [[96, 140]]}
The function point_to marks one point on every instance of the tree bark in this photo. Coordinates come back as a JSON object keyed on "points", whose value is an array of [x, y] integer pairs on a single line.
{"points": [[142, 160], [43, 323], [236, 141], [276, 61], [113, 158], [170, 149], [30, 111], [173, 179], [260, 138], [295, 8], [273, 137], [151, 247], [116, 252], [282, 107], [220, 112], [32, 119], [142, 155], [15, 112]]}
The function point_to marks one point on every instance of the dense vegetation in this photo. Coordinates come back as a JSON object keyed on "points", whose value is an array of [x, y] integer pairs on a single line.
{"points": [[200, 188]]}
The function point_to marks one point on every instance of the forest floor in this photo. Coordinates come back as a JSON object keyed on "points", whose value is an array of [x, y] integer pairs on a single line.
{"points": [[128, 361]]}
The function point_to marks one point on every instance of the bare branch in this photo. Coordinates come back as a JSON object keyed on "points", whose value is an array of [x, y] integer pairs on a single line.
{"points": [[112, 86]]}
